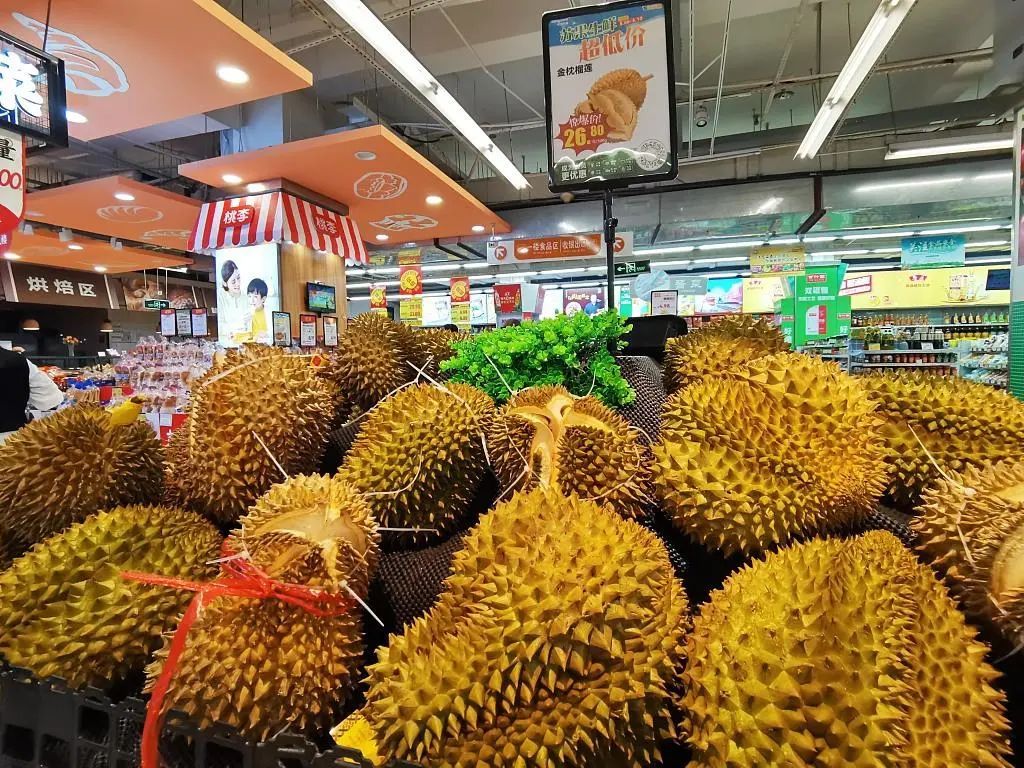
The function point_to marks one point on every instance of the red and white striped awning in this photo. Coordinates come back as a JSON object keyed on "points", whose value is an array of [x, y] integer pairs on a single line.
{"points": [[276, 217]]}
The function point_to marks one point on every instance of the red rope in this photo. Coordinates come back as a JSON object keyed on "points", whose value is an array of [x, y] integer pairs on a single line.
{"points": [[239, 578]]}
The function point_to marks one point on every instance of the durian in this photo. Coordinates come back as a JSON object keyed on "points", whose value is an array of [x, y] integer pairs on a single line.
{"points": [[961, 424], [215, 463], [721, 346], [372, 359], [627, 81], [59, 470], [554, 644], [264, 665], [419, 457], [431, 347], [971, 527], [618, 109], [66, 611], [785, 446], [839, 653], [547, 436]]}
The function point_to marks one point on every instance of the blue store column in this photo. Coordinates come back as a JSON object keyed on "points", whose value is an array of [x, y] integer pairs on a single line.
{"points": [[1017, 265]]}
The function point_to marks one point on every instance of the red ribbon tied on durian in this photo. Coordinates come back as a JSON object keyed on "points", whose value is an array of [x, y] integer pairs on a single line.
{"points": [[239, 578]]}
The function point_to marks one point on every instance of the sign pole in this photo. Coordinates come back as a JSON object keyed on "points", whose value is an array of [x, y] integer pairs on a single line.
{"points": [[610, 223]]}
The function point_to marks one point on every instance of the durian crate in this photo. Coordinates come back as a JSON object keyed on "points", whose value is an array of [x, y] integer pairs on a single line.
{"points": [[45, 724]]}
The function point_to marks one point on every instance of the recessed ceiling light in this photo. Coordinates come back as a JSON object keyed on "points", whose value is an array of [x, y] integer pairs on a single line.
{"points": [[365, 155], [231, 178], [434, 200], [479, 228], [75, 117], [75, 246], [255, 187], [233, 75], [11, 256], [100, 268], [382, 237], [409, 245], [124, 196]]}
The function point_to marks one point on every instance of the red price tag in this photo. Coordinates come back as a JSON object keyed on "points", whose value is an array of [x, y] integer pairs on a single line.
{"points": [[584, 132]]}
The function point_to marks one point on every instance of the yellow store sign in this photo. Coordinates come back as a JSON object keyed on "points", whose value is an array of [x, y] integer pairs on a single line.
{"points": [[917, 289]]}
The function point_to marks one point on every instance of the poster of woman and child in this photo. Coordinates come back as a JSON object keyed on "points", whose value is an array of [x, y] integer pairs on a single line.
{"points": [[248, 293]]}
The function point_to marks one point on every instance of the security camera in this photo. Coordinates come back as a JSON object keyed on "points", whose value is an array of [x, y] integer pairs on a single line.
{"points": [[700, 117]]}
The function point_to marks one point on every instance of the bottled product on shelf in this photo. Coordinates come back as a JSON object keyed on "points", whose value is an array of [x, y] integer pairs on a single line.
{"points": [[987, 360]]}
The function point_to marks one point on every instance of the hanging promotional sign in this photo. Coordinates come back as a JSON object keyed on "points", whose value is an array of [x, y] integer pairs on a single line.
{"points": [[778, 260], [282, 329], [508, 299], [410, 256], [690, 286], [585, 246], [330, 331], [912, 289], [590, 301], [378, 298], [411, 311], [33, 97], [817, 310], [200, 324], [410, 280], [459, 287], [933, 252], [12, 180], [609, 89], [761, 293]]}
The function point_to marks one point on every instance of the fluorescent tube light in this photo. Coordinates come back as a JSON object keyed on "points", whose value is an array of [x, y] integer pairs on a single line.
{"points": [[993, 260], [990, 244], [963, 146], [373, 31], [667, 250], [878, 235], [872, 44], [886, 186]]}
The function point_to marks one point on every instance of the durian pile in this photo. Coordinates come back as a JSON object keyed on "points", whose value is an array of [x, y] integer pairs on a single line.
{"points": [[562, 637]]}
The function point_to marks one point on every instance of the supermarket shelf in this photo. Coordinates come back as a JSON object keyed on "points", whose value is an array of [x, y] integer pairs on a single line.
{"points": [[939, 325], [907, 351], [907, 365]]}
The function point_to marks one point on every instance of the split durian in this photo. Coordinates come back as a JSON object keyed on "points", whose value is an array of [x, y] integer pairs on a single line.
{"points": [[549, 437], [420, 458], [554, 645], [785, 446], [627, 81], [971, 527], [215, 463], [264, 665], [372, 359], [839, 653], [721, 346], [960, 423], [66, 611], [59, 470]]}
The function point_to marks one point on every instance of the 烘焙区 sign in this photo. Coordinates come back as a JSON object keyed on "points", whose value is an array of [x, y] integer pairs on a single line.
{"points": [[610, 95], [32, 284]]}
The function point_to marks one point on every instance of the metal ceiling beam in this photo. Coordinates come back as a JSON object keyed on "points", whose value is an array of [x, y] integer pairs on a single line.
{"points": [[721, 75], [786, 51], [337, 34]]}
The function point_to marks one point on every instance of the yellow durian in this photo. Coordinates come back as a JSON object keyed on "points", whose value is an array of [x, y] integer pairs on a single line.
{"points": [[216, 464], [960, 423], [555, 643], [66, 611], [725, 344], [61, 469], [265, 665], [839, 653], [786, 446], [549, 437]]}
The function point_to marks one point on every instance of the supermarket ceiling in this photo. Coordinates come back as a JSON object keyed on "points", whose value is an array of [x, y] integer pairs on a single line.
{"points": [[937, 75]]}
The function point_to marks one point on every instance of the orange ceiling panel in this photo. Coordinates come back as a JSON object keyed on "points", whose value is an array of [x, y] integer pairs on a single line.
{"points": [[132, 64], [384, 182], [46, 248], [117, 207]]}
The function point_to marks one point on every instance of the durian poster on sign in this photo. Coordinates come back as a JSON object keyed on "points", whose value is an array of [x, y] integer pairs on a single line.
{"points": [[610, 88]]}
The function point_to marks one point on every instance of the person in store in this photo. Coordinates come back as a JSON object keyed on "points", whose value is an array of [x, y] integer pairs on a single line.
{"points": [[258, 291], [23, 387]]}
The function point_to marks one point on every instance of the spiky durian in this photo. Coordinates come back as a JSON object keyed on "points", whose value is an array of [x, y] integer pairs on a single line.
{"points": [[431, 347], [554, 645], [420, 457], [61, 469], [961, 424], [782, 447], [727, 343], [547, 436], [216, 464], [66, 611], [971, 526], [839, 653], [263, 665], [372, 359]]}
